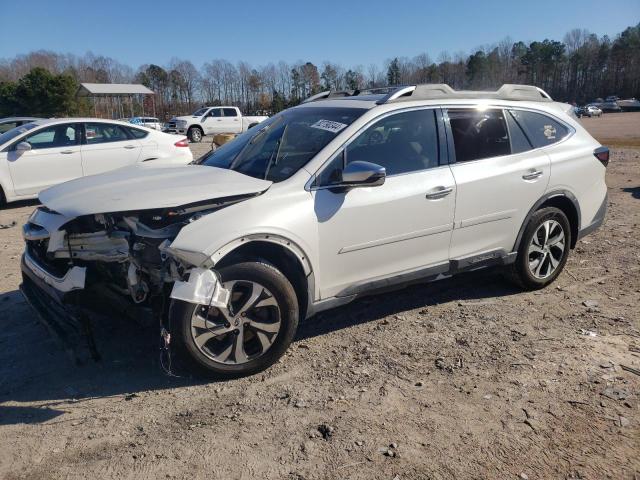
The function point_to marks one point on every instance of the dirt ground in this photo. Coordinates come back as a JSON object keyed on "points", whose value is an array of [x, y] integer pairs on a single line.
{"points": [[463, 378]]}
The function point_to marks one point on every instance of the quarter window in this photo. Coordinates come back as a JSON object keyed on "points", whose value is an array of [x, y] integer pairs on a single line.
{"points": [[104, 133], [137, 133], [541, 130], [56, 136], [479, 134], [401, 143]]}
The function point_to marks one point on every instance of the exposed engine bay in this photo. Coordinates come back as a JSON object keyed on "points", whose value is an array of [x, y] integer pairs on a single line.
{"points": [[126, 252]]}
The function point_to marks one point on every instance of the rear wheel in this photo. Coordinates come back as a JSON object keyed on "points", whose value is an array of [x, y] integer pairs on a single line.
{"points": [[195, 134], [3, 199], [248, 336], [544, 249]]}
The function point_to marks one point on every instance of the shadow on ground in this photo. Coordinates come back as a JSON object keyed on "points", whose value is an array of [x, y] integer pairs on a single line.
{"points": [[34, 367], [634, 191]]}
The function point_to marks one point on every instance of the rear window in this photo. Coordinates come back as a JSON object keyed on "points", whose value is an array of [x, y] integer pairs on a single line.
{"points": [[540, 129]]}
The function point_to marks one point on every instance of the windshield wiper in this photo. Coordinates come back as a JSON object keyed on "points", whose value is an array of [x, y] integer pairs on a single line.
{"points": [[273, 159]]}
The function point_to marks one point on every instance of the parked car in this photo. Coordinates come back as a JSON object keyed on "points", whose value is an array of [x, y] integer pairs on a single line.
{"points": [[336, 198], [629, 105], [210, 121], [149, 122], [42, 153], [8, 123], [609, 107], [588, 111]]}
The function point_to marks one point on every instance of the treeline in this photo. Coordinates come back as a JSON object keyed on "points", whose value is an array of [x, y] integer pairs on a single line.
{"points": [[579, 69]]}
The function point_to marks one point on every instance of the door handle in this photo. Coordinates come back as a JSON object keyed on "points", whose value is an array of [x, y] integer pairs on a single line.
{"points": [[67, 152], [532, 175], [439, 192], [219, 119], [129, 147]]}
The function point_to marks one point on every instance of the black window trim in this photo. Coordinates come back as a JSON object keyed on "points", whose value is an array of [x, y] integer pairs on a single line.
{"points": [[12, 147], [505, 109], [442, 145], [125, 128]]}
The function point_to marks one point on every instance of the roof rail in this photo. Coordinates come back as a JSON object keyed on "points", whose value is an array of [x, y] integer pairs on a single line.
{"points": [[331, 94], [436, 91]]}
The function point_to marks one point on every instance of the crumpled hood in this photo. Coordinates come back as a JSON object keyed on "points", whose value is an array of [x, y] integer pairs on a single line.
{"points": [[143, 188]]}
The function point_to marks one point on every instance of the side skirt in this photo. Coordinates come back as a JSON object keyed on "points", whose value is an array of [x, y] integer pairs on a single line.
{"points": [[488, 259]]}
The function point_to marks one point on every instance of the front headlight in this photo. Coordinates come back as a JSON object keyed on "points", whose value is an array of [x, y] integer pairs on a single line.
{"points": [[181, 123]]}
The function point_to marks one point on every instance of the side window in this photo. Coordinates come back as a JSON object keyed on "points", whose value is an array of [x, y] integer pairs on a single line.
{"points": [[136, 133], [215, 112], [479, 134], [519, 142], [404, 142], [104, 133], [56, 136], [230, 112], [540, 129], [5, 127]]}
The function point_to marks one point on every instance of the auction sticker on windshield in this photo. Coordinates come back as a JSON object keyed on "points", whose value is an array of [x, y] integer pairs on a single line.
{"points": [[329, 126]]}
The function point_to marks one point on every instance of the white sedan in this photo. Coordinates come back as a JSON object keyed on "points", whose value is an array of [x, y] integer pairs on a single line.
{"points": [[43, 153]]}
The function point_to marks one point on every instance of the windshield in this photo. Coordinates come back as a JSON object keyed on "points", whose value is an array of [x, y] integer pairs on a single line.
{"points": [[200, 111], [14, 132], [280, 146]]}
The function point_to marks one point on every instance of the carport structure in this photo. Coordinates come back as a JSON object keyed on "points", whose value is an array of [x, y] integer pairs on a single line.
{"points": [[113, 98]]}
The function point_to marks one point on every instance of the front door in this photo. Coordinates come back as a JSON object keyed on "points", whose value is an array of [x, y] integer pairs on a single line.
{"points": [[396, 230], [108, 146], [54, 158], [213, 122]]}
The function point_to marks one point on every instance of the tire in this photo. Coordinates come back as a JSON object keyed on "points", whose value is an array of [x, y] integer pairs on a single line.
{"points": [[3, 199], [195, 134], [540, 261], [209, 343]]}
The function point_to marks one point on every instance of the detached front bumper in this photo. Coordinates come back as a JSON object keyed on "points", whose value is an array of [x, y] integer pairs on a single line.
{"points": [[56, 303]]}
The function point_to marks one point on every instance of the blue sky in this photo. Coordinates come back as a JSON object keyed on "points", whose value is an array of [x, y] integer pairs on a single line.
{"points": [[348, 32]]}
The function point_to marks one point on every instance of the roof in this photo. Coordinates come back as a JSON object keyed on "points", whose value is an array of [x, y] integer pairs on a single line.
{"points": [[13, 119], [111, 89]]}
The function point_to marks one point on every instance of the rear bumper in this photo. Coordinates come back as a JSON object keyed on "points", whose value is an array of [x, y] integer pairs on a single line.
{"points": [[598, 220]]}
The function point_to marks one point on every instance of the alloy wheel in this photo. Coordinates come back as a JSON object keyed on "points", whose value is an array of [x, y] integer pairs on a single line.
{"points": [[546, 249], [243, 331]]}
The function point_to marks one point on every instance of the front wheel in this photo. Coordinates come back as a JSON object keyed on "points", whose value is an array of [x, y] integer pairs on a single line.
{"points": [[544, 249], [194, 134], [248, 336]]}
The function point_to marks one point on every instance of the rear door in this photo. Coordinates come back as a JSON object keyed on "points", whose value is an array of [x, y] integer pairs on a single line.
{"points": [[108, 146], [499, 177], [54, 158], [232, 121]]}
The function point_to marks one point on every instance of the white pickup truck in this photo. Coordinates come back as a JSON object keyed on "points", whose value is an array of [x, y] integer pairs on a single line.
{"points": [[211, 121]]}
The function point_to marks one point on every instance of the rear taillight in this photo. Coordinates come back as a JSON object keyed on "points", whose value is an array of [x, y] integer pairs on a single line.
{"points": [[602, 154], [182, 143]]}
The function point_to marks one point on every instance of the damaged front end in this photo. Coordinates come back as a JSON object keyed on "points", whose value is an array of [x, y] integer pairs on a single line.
{"points": [[119, 262]]}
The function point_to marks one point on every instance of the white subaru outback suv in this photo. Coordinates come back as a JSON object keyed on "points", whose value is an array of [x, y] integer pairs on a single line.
{"points": [[344, 195]]}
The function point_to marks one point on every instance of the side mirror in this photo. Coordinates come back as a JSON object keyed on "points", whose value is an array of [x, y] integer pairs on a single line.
{"points": [[363, 174], [23, 147]]}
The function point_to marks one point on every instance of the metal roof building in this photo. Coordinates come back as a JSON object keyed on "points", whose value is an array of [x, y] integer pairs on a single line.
{"points": [[111, 96]]}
